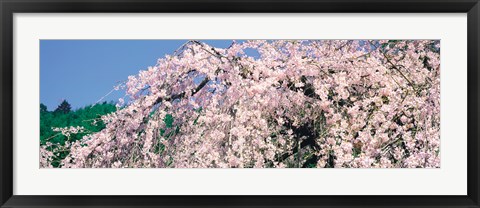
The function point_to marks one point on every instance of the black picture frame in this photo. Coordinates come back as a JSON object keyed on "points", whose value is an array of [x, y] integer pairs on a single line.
{"points": [[9, 7]]}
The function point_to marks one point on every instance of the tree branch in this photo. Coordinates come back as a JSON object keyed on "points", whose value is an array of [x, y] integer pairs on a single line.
{"points": [[182, 94], [303, 131]]}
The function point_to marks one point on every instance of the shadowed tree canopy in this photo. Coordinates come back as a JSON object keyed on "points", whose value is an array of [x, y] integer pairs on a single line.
{"points": [[43, 108], [64, 107]]}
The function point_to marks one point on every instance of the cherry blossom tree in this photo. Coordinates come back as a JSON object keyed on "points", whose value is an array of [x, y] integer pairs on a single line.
{"points": [[289, 103]]}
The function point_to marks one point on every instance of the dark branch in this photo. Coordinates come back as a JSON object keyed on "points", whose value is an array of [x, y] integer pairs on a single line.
{"points": [[182, 94], [305, 131]]}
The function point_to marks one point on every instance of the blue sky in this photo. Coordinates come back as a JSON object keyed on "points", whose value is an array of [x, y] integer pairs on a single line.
{"points": [[83, 71]]}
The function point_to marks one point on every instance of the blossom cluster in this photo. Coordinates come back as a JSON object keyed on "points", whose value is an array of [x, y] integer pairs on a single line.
{"points": [[67, 131], [275, 104]]}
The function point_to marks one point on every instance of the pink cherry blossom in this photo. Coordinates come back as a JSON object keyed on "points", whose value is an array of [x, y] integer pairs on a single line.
{"points": [[315, 103]]}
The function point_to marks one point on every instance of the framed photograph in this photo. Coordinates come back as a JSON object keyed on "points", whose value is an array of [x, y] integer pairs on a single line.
{"points": [[212, 103]]}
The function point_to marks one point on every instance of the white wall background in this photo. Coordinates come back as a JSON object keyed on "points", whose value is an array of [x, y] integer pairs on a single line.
{"points": [[450, 179]]}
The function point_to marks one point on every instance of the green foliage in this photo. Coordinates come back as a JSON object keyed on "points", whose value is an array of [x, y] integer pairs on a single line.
{"points": [[167, 132], [87, 117], [43, 108], [168, 121], [64, 107]]}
